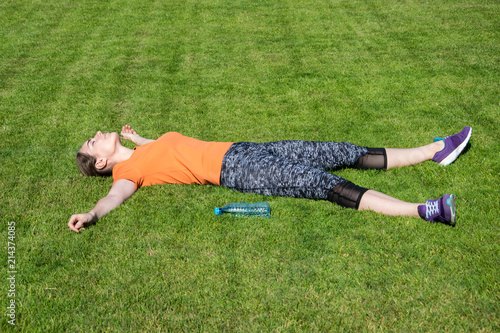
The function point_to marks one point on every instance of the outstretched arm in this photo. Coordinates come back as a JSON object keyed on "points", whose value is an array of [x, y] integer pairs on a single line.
{"points": [[128, 133], [120, 191]]}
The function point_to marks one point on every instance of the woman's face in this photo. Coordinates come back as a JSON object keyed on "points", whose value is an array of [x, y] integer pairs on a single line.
{"points": [[101, 145]]}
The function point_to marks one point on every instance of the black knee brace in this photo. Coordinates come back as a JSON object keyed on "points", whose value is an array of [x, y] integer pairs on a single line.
{"points": [[347, 194], [376, 158]]}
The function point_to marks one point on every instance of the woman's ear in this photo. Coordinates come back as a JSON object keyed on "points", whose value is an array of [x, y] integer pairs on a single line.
{"points": [[101, 163]]}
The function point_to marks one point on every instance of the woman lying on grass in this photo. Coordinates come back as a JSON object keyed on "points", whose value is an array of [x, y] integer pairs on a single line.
{"points": [[285, 168]]}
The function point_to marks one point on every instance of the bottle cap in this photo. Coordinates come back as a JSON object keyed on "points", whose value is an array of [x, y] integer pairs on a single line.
{"points": [[218, 211]]}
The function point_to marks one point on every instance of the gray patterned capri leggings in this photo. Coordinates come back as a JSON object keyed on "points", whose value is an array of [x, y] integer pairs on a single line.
{"points": [[290, 168]]}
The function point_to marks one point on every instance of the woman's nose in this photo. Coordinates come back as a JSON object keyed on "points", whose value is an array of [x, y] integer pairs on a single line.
{"points": [[98, 134]]}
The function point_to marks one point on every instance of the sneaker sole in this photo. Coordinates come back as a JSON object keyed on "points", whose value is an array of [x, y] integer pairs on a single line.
{"points": [[454, 154], [453, 206]]}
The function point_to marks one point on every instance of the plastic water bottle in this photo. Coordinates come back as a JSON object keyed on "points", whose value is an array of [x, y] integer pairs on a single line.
{"points": [[245, 209]]}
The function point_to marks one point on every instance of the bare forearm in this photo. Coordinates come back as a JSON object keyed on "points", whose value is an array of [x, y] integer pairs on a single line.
{"points": [[105, 205], [120, 191], [138, 140]]}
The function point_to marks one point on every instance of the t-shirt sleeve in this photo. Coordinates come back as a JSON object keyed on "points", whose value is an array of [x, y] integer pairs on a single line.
{"points": [[128, 172]]}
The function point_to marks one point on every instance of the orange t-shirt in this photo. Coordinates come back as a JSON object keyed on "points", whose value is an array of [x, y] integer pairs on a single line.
{"points": [[174, 159]]}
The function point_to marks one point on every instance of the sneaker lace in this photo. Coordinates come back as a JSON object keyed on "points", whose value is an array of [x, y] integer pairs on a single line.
{"points": [[431, 208]]}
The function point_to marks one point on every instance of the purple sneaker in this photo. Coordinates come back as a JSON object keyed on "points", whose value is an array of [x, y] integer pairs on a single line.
{"points": [[453, 146], [440, 210]]}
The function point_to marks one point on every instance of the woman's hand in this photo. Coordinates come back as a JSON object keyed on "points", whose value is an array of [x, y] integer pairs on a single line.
{"points": [[128, 133], [120, 191], [78, 222]]}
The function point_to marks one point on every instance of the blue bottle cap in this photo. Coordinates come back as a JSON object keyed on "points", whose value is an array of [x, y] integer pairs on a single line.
{"points": [[218, 211]]}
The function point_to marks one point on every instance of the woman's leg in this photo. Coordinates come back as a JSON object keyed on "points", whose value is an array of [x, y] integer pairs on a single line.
{"points": [[444, 151], [323, 155], [382, 203], [440, 210], [333, 155], [404, 157]]}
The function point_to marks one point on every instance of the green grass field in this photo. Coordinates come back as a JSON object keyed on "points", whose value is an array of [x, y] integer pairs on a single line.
{"points": [[376, 73]]}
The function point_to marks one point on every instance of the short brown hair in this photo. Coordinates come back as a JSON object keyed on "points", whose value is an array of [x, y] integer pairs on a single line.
{"points": [[86, 164]]}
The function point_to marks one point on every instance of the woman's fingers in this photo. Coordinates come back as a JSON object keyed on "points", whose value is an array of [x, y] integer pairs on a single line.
{"points": [[128, 129]]}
